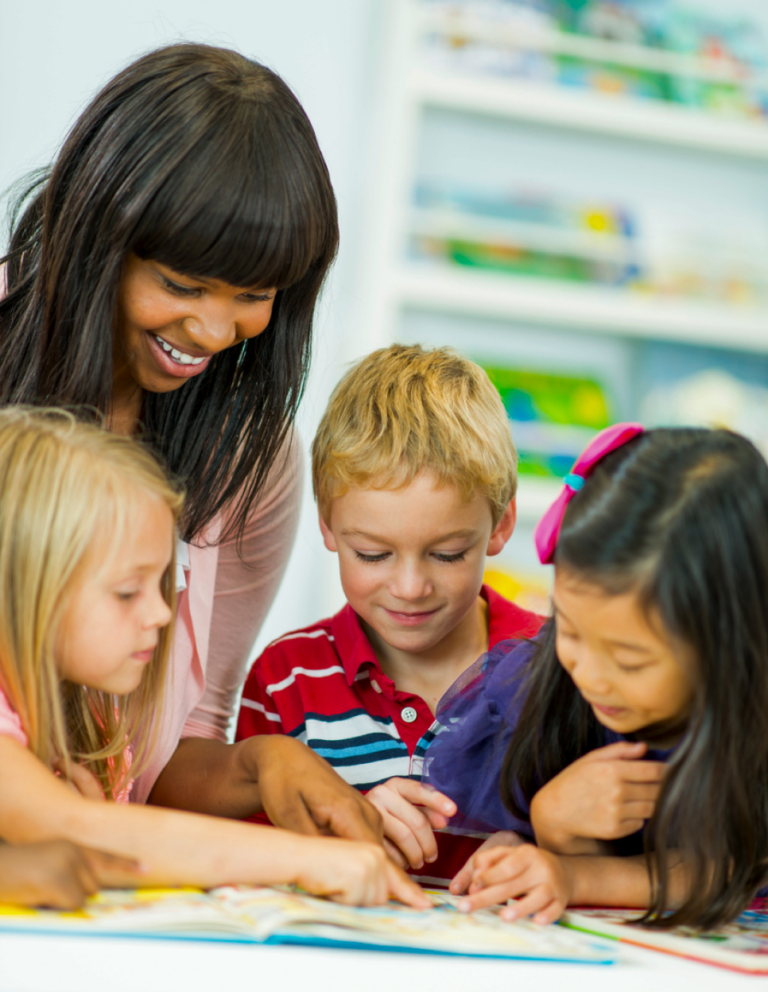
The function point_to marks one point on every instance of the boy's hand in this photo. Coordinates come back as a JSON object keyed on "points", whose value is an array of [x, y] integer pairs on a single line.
{"points": [[408, 836], [59, 874], [539, 881], [503, 838], [300, 791], [607, 794], [356, 874]]}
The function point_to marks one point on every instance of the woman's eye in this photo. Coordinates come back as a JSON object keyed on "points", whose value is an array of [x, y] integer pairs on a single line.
{"points": [[371, 558], [457, 556], [178, 289], [257, 297]]}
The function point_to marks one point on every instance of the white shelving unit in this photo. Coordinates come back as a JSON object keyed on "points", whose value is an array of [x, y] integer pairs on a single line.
{"points": [[411, 88]]}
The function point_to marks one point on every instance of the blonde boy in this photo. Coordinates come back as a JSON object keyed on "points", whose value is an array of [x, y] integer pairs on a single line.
{"points": [[414, 472]]}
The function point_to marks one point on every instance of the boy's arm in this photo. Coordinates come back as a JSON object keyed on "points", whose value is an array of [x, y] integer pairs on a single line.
{"points": [[265, 771]]}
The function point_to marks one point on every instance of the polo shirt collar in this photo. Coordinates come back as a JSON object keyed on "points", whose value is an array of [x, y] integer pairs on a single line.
{"points": [[353, 647]]}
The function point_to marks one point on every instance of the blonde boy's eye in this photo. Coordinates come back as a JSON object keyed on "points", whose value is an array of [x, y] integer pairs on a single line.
{"points": [[371, 558], [457, 556]]}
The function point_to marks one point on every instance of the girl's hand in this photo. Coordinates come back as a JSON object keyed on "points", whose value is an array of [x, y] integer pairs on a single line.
{"points": [[539, 880], [60, 874], [506, 838], [81, 780], [408, 836], [607, 794], [355, 874]]}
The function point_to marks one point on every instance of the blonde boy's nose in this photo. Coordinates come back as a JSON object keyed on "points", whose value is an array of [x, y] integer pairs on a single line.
{"points": [[410, 583]]}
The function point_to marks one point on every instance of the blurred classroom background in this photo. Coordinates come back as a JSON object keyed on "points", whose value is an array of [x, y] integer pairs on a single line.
{"points": [[572, 192]]}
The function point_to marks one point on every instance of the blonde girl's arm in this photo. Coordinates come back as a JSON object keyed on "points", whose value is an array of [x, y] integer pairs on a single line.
{"points": [[177, 848]]}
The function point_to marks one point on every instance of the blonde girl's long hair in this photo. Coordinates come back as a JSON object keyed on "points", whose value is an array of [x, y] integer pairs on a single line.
{"points": [[69, 493]]}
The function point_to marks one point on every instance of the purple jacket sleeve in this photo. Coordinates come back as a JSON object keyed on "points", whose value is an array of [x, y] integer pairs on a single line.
{"points": [[477, 718]]}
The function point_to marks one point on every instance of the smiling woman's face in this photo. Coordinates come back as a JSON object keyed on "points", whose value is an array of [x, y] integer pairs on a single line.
{"points": [[171, 325]]}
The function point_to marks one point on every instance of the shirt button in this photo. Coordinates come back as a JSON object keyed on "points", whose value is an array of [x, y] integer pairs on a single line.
{"points": [[409, 714]]}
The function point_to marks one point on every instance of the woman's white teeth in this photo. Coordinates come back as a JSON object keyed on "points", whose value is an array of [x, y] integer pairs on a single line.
{"points": [[176, 355]]}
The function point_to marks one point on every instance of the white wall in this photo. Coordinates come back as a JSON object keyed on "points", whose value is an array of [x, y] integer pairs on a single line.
{"points": [[54, 56]]}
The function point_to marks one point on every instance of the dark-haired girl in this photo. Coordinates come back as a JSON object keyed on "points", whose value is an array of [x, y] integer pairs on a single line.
{"points": [[164, 274], [631, 740]]}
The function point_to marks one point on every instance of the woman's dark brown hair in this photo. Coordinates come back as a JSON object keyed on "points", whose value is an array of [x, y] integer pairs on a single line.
{"points": [[681, 517], [203, 160]]}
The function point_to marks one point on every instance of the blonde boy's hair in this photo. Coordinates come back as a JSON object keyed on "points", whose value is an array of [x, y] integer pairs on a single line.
{"points": [[402, 410], [69, 492]]}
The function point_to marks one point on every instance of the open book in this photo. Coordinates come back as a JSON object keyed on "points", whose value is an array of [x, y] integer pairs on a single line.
{"points": [[284, 916], [740, 946]]}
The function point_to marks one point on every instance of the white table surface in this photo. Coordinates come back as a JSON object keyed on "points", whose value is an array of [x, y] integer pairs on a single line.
{"points": [[83, 964]]}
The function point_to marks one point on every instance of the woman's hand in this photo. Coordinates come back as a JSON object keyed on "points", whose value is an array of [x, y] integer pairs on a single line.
{"points": [[60, 874], [408, 830], [356, 874], [539, 881], [607, 794], [300, 791], [503, 838]]}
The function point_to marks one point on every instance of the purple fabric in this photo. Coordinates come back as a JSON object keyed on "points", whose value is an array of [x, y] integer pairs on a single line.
{"points": [[477, 719]]}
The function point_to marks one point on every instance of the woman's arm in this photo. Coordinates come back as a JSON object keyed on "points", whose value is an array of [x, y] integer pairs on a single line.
{"points": [[183, 848]]}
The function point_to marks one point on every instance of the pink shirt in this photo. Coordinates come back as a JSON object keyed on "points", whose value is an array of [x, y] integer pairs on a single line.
{"points": [[219, 615], [10, 723]]}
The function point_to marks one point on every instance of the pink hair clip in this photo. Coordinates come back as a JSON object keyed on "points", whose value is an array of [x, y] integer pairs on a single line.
{"points": [[548, 528]]}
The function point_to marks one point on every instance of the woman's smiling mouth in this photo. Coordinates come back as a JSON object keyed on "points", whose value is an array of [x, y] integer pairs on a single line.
{"points": [[175, 362]]}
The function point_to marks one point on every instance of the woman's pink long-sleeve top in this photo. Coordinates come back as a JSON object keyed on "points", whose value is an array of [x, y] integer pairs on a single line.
{"points": [[220, 612]]}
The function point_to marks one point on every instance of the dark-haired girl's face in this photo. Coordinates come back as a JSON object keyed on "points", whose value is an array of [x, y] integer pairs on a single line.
{"points": [[634, 675], [170, 325]]}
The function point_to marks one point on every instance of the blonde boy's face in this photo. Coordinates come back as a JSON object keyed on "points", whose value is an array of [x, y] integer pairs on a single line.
{"points": [[412, 559]]}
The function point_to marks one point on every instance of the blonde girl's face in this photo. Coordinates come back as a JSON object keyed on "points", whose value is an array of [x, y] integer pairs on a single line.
{"points": [[635, 677], [116, 610]]}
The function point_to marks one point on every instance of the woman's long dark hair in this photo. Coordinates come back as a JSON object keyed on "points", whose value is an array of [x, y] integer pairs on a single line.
{"points": [[680, 516], [204, 161]]}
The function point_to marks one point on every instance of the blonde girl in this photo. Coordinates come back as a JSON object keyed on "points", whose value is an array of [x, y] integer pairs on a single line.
{"points": [[87, 524]]}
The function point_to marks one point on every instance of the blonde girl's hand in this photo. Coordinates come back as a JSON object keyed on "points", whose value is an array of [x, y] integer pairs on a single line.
{"points": [[539, 881], [80, 779], [410, 812], [59, 874], [606, 794], [503, 838], [355, 873]]}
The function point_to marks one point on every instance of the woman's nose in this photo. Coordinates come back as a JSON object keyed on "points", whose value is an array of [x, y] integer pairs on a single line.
{"points": [[212, 331]]}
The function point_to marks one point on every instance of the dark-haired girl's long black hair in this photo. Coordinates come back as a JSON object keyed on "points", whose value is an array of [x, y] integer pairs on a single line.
{"points": [[203, 160], [681, 517]]}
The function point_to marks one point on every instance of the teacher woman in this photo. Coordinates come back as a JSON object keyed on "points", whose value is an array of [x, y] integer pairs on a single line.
{"points": [[165, 273]]}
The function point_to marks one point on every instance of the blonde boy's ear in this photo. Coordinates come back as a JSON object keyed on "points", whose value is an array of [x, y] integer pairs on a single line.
{"points": [[503, 530], [328, 539]]}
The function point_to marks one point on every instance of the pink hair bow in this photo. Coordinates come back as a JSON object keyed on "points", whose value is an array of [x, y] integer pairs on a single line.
{"points": [[548, 528]]}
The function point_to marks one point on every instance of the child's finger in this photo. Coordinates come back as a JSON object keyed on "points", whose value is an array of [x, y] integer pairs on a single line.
{"points": [[491, 896], [112, 870], [462, 878], [536, 901], [395, 854], [424, 795], [406, 826], [405, 890], [642, 771]]}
